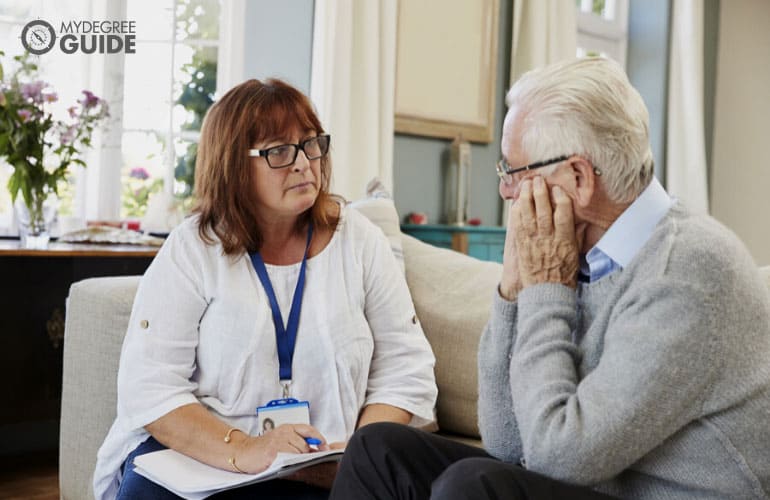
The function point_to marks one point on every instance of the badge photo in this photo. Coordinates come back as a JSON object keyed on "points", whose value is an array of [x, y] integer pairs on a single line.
{"points": [[282, 411]]}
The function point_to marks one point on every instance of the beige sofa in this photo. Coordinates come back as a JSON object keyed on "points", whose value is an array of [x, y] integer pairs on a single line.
{"points": [[452, 294]]}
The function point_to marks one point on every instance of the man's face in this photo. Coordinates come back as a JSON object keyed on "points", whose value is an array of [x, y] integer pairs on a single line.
{"points": [[514, 154]]}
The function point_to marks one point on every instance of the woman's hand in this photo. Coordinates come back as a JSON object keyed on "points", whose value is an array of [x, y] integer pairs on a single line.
{"points": [[254, 454]]}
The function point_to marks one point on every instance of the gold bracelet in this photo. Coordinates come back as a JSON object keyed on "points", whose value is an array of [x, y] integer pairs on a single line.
{"points": [[231, 461], [230, 431]]}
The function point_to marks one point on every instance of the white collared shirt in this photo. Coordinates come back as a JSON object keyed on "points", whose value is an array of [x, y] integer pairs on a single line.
{"points": [[628, 234]]}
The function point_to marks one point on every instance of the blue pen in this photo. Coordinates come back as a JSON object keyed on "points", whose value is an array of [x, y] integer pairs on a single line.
{"points": [[313, 441]]}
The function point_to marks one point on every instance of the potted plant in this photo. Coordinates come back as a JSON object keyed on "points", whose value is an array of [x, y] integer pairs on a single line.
{"points": [[40, 148]]}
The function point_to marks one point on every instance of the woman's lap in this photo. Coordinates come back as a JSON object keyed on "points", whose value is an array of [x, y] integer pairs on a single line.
{"points": [[135, 486]]}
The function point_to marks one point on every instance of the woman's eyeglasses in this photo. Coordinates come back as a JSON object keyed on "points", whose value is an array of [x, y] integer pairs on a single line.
{"points": [[286, 154]]}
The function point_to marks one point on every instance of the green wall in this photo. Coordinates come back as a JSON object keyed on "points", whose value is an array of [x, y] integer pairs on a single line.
{"points": [[710, 46], [279, 42], [420, 163]]}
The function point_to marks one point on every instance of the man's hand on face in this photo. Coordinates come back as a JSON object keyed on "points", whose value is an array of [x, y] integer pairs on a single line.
{"points": [[545, 237], [510, 282]]}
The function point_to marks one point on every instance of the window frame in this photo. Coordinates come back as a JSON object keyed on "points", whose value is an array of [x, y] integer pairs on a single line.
{"points": [[608, 36], [98, 191], [171, 134]]}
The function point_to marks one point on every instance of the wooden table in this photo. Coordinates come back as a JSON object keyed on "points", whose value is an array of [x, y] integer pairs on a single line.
{"points": [[12, 248], [34, 285]]}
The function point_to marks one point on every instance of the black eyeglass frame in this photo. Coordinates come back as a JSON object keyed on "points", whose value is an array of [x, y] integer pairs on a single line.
{"points": [[266, 152], [504, 169]]}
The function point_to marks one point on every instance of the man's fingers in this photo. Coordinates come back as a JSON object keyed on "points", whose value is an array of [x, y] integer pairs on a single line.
{"points": [[527, 221], [511, 218], [543, 210], [562, 215]]}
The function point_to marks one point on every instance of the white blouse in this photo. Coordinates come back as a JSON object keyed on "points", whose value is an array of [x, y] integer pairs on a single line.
{"points": [[201, 330]]}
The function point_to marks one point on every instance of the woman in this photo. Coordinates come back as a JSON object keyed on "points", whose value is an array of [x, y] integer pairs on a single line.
{"points": [[206, 343]]}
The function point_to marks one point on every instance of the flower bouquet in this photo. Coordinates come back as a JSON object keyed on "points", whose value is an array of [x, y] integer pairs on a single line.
{"points": [[29, 134]]}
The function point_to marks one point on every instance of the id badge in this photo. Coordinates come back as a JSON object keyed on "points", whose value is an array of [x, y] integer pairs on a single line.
{"points": [[282, 411]]}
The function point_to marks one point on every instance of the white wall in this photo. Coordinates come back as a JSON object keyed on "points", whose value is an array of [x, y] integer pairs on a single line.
{"points": [[740, 187], [279, 41]]}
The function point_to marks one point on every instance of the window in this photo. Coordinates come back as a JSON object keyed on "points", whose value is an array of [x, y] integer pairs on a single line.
{"points": [[169, 83], [603, 28], [13, 16], [158, 96]]}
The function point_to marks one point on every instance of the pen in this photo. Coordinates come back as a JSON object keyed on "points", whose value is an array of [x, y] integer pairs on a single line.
{"points": [[312, 441]]}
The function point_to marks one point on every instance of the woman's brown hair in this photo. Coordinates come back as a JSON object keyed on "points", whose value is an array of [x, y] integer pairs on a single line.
{"points": [[251, 112]]}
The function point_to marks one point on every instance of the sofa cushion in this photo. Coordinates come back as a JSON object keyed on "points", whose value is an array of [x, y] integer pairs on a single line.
{"points": [[379, 208], [98, 310], [453, 295]]}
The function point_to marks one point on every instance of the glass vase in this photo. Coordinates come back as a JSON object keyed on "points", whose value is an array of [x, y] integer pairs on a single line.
{"points": [[36, 219]]}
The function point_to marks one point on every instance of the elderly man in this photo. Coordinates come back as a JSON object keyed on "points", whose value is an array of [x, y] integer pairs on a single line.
{"points": [[628, 349]]}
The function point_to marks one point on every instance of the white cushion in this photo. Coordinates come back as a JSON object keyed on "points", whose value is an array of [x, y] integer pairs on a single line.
{"points": [[379, 208], [765, 272]]}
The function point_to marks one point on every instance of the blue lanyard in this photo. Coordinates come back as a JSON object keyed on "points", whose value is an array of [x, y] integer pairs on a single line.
{"points": [[285, 337]]}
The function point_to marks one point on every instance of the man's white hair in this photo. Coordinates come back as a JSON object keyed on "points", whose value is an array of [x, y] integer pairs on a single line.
{"points": [[587, 107]]}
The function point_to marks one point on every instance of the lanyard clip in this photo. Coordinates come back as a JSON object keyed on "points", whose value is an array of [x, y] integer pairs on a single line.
{"points": [[285, 384]]}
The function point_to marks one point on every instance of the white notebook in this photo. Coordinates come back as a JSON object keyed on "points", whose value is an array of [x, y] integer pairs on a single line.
{"points": [[194, 480]]}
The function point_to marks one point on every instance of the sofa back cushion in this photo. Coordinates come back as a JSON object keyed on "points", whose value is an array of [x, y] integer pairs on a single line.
{"points": [[765, 272], [452, 294]]}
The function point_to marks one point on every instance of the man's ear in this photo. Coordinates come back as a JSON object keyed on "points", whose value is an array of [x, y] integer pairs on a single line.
{"points": [[584, 178]]}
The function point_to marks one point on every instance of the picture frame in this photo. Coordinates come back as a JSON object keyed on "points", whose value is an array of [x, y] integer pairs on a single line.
{"points": [[446, 68]]}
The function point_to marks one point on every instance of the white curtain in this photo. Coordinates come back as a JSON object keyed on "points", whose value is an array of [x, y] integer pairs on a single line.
{"points": [[101, 198], [544, 32], [352, 84], [686, 171]]}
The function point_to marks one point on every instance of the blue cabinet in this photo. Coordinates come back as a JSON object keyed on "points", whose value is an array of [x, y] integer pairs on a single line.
{"points": [[482, 242]]}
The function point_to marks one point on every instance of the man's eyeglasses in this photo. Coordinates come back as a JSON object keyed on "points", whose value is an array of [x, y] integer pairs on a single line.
{"points": [[286, 154], [505, 171]]}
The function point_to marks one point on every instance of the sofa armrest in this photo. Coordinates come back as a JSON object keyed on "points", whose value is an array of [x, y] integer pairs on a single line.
{"points": [[98, 311]]}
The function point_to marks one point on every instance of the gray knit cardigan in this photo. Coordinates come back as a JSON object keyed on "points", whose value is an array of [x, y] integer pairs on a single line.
{"points": [[650, 383]]}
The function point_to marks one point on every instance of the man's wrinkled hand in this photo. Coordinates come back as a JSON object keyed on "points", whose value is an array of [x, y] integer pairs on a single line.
{"points": [[510, 282], [546, 242]]}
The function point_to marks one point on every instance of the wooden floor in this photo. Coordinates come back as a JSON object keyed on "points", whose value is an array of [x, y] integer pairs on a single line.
{"points": [[33, 477]]}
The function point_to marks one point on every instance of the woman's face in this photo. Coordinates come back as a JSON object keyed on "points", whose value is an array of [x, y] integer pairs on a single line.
{"points": [[285, 193]]}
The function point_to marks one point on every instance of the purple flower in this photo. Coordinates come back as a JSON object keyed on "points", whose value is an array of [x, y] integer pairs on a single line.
{"points": [[50, 97], [139, 173], [72, 110], [33, 90], [25, 115], [90, 100], [68, 135]]}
